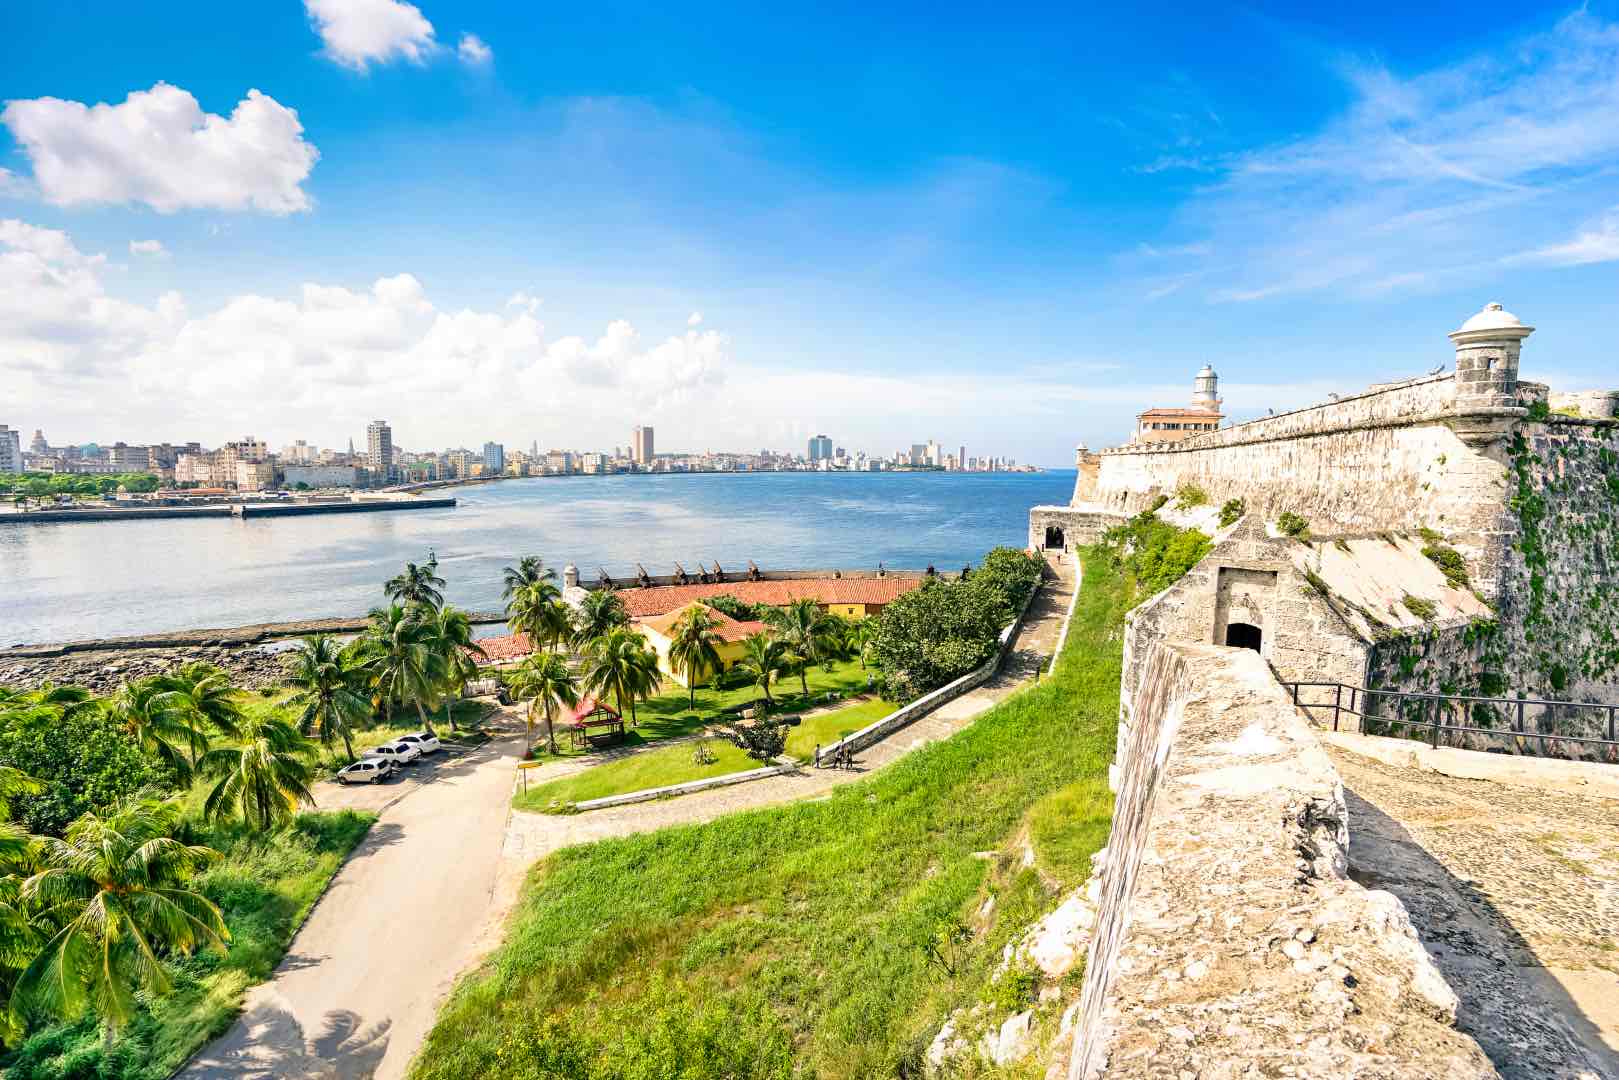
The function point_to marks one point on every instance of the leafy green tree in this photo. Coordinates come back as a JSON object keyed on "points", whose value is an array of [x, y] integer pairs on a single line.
{"points": [[417, 586], [329, 695], [937, 633], [1014, 573], [544, 680], [529, 569], [761, 661], [694, 648], [600, 611], [143, 709], [621, 664], [762, 740], [200, 697], [264, 778], [119, 885], [450, 635], [78, 751], [803, 630], [401, 661]]}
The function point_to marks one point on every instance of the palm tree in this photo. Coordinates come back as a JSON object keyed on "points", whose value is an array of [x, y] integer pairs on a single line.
{"points": [[399, 659], [862, 632], [328, 696], [761, 661], [802, 629], [119, 887], [154, 724], [265, 778], [621, 664], [417, 586], [599, 612], [537, 610], [529, 569], [200, 697], [450, 633], [544, 679], [694, 648]]}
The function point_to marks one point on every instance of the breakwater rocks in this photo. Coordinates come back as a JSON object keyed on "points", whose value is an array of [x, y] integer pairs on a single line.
{"points": [[251, 654]]}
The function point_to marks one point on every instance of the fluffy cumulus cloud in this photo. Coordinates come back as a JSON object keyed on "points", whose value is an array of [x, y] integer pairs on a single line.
{"points": [[151, 248], [473, 51], [302, 360], [160, 149], [358, 33], [1595, 242]]}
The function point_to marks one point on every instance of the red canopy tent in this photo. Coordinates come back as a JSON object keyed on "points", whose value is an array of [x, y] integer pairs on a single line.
{"points": [[593, 723]]}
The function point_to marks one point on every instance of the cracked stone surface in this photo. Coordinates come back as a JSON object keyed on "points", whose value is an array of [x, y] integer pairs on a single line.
{"points": [[1515, 893]]}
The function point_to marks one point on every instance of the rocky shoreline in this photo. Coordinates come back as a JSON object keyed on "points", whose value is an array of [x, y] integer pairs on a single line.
{"points": [[101, 665]]}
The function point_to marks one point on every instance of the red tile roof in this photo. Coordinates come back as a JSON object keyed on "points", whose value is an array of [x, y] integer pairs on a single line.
{"points": [[660, 599], [504, 649], [727, 628]]}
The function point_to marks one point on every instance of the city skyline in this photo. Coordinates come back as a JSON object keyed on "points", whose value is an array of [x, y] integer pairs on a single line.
{"points": [[382, 222]]}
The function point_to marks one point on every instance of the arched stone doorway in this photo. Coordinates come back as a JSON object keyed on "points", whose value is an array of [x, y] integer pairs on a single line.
{"points": [[1243, 635], [1054, 540]]}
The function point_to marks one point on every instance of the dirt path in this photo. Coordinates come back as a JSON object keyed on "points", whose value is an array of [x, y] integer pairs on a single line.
{"points": [[1515, 892]]}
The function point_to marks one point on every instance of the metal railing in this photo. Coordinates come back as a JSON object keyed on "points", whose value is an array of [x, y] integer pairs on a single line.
{"points": [[1530, 726]]}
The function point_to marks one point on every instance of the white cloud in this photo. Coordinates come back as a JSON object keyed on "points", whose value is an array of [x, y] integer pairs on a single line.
{"points": [[1597, 242], [153, 248], [474, 51], [525, 300], [358, 33], [1424, 181], [694, 319], [12, 186], [160, 149]]}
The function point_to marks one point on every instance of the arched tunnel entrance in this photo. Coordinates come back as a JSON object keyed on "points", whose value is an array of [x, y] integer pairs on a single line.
{"points": [[1054, 539], [1243, 635]]}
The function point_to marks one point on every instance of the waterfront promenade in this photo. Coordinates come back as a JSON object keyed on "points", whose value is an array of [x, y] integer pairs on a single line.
{"points": [[243, 510]]}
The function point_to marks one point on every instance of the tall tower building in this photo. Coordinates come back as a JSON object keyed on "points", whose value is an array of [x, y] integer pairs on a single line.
{"points": [[494, 457], [10, 450], [642, 449], [379, 447], [820, 448]]}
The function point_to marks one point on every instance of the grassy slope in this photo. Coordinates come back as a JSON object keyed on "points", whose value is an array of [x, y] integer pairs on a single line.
{"points": [[675, 764], [266, 888], [794, 940]]}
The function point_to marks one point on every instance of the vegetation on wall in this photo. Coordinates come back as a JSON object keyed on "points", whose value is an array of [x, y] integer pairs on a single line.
{"points": [[1290, 524], [1230, 511], [1189, 495], [1153, 553]]}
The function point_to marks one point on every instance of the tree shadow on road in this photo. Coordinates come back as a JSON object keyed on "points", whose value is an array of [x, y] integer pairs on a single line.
{"points": [[269, 1044]]}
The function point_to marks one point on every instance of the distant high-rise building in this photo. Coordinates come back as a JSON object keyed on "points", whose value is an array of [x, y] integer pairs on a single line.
{"points": [[820, 448], [494, 458], [39, 445], [643, 451], [379, 447], [961, 457], [10, 450]]}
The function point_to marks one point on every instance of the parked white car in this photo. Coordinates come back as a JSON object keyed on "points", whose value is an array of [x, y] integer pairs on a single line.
{"points": [[421, 740], [366, 771], [399, 752]]}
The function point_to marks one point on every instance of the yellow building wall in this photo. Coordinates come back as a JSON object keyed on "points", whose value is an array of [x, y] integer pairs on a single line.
{"points": [[730, 652]]}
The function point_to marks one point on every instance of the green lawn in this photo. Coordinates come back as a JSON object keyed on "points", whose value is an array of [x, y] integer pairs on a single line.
{"points": [[676, 764], [265, 886], [797, 941]]}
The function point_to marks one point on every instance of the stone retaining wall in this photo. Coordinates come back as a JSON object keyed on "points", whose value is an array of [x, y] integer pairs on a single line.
{"points": [[1229, 941]]}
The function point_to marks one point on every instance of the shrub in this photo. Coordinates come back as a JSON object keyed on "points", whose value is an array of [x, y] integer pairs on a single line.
{"points": [[1290, 524], [85, 759], [1190, 495], [937, 633], [1422, 609], [1012, 572], [762, 740], [1450, 563], [735, 608], [1231, 511], [1155, 552], [1157, 504]]}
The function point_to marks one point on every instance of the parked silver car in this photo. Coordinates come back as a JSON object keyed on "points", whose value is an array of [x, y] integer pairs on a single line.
{"points": [[366, 771]]}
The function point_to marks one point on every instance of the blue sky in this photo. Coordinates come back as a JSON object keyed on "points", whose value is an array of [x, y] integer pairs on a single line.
{"points": [[746, 227]]}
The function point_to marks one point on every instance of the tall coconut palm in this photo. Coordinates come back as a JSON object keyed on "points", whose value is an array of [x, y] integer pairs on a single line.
{"points": [[600, 611], [417, 585], [862, 632], [544, 680], [119, 886], [264, 778], [200, 697], [802, 629], [329, 696], [154, 724], [529, 569], [537, 610], [450, 635], [761, 660], [621, 664], [694, 648], [400, 661]]}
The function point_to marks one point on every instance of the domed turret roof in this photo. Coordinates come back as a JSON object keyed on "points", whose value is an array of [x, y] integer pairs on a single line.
{"points": [[1208, 369], [1493, 317]]}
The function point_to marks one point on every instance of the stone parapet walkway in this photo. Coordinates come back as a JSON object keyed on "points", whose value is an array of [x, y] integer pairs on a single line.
{"points": [[1515, 893]]}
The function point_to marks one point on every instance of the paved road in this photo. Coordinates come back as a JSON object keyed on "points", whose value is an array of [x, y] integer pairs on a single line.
{"points": [[426, 895], [358, 990]]}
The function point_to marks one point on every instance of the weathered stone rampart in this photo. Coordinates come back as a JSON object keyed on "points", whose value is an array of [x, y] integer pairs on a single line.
{"points": [[1229, 941]]}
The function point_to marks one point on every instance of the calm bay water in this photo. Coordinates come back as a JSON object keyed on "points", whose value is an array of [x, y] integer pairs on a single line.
{"points": [[63, 582]]}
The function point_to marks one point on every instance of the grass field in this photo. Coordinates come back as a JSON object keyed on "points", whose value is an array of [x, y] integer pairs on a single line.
{"points": [[677, 764], [265, 886], [804, 940]]}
